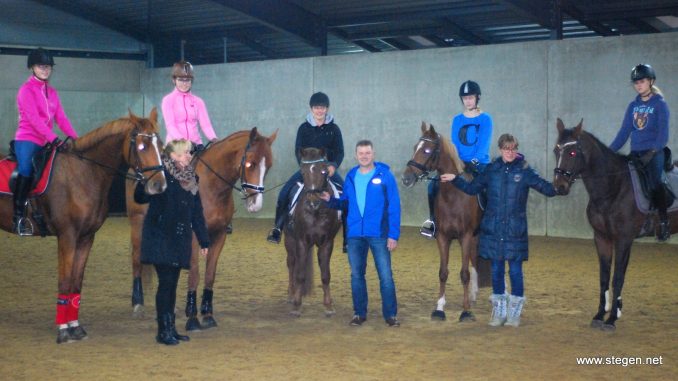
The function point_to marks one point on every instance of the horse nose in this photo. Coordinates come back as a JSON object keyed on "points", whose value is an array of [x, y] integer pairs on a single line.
{"points": [[156, 187], [407, 179], [562, 190]]}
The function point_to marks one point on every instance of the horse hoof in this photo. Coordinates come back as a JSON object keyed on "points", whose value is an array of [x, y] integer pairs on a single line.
{"points": [[295, 313], [208, 322], [64, 336], [138, 312], [438, 315], [467, 316], [330, 313], [596, 323], [192, 324], [77, 333], [608, 327]]}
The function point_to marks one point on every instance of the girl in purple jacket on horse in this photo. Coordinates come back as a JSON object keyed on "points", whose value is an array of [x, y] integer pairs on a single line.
{"points": [[39, 107]]}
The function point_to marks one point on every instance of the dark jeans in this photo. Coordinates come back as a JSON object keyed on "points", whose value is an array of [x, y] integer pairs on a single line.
{"points": [[515, 274], [165, 298], [25, 151], [654, 169], [357, 258]]}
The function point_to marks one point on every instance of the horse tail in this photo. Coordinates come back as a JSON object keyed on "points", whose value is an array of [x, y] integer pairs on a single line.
{"points": [[307, 287]]}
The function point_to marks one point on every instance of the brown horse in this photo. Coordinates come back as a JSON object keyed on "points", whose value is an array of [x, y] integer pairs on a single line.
{"points": [[457, 216], [312, 224], [243, 156], [611, 211], [76, 203]]}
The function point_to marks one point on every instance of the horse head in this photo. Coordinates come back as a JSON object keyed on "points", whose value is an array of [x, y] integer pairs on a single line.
{"points": [[142, 153], [570, 161], [425, 158], [314, 170], [257, 159]]}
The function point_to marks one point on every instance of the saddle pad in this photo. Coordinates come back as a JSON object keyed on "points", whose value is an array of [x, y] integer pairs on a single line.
{"points": [[7, 167], [300, 186], [642, 202]]}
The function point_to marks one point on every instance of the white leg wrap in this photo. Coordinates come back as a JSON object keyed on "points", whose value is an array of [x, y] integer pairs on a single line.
{"points": [[441, 303], [473, 291], [608, 301]]}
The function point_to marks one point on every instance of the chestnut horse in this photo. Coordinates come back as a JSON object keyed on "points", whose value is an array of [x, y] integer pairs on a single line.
{"points": [[611, 211], [243, 156], [312, 224], [76, 203], [457, 217]]}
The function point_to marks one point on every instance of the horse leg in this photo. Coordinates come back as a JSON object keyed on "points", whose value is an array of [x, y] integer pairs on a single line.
{"points": [[66, 247], [324, 255], [290, 271], [300, 265], [604, 248], [137, 284], [84, 246], [217, 243], [443, 272], [192, 322], [623, 254], [466, 243]]}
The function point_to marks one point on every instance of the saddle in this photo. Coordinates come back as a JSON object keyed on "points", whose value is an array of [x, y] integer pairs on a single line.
{"points": [[471, 168], [299, 187], [640, 181], [43, 161]]}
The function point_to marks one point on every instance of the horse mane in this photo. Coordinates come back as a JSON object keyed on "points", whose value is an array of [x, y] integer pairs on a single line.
{"points": [[112, 128], [602, 146], [451, 149]]}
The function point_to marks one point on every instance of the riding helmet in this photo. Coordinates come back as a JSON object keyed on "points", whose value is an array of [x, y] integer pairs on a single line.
{"points": [[319, 99], [642, 71], [39, 56], [182, 69]]}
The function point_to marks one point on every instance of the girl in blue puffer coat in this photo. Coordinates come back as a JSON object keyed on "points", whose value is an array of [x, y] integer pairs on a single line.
{"points": [[503, 228]]}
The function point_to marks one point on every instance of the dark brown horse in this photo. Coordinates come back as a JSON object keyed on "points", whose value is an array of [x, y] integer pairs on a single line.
{"points": [[76, 203], [312, 224], [611, 210], [243, 156], [457, 216]]}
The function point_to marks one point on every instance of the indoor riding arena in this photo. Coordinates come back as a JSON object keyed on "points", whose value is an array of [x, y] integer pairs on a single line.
{"points": [[386, 66]]}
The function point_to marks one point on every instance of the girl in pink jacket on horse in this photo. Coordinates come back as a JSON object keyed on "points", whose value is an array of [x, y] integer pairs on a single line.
{"points": [[183, 111], [39, 107]]}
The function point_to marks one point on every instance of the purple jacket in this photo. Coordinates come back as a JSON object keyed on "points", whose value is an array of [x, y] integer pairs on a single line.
{"points": [[182, 113], [39, 107]]}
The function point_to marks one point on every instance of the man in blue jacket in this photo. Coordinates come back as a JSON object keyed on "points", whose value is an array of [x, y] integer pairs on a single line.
{"points": [[373, 221]]}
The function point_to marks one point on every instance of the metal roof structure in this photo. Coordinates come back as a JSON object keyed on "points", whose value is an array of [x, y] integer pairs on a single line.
{"points": [[217, 31]]}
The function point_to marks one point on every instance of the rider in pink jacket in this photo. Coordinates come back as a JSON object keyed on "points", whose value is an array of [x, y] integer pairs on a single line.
{"points": [[183, 111]]}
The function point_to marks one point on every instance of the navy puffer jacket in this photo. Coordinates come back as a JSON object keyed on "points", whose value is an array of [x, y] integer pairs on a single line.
{"points": [[503, 229]]}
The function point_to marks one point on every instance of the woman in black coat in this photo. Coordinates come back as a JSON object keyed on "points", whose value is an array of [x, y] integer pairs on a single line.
{"points": [[166, 241], [503, 228]]}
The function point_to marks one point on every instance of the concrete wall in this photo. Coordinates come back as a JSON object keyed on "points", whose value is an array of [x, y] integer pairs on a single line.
{"points": [[384, 97]]}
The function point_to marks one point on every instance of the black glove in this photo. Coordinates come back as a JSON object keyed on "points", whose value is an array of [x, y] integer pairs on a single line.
{"points": [[56, 142]]}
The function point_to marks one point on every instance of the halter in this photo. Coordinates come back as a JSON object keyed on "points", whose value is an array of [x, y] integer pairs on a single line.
{"points": [[569, 176], [432, 158], [138, 170]]}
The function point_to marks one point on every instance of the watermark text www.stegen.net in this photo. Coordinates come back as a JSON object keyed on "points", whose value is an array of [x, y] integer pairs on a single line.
{"points": [[620, 360]]}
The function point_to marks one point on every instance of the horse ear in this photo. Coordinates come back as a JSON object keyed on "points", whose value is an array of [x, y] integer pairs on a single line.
{"points": [[423, 126], [253, 133], [274, 135], [432, 129], [560, 125], [154, 115], [132, 117], [579, 127]]}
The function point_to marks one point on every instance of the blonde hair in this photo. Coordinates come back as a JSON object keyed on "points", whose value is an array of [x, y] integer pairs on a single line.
{"points": [[179, 145], [657, 90]]}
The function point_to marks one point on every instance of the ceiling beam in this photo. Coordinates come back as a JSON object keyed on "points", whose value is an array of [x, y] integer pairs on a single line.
{"points": [[91, 14], [456, 29], [364, 45], [534, 10], [284, 17], [595, 26], [643, 26], [636, 12], [396, 43]]}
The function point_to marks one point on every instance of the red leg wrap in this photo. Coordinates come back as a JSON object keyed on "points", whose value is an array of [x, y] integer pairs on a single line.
{"points": [[73, 307], [61, 309]]}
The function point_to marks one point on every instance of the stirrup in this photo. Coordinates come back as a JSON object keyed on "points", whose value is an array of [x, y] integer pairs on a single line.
{"points": [[428, 231], [23, 227], [664, 232]]}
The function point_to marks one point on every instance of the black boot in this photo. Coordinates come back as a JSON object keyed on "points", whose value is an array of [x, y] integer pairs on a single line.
{"points": [[173, 328], [664, 232], [276, 233], [206, 309], [165, 335], [20, 224], [192, 324]]}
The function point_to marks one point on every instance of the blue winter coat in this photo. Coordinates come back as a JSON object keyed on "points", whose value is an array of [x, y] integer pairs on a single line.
{"points": [[381, 217], [503, 228], [169, 224]]}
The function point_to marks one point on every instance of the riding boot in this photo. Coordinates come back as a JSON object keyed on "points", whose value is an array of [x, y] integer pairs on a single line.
{"points": [[515, 308], [192, 324], [660, 201], [173, 328], [165, 335], [206, 309], [498, 317], [280, 217], [20, 224], [428, 228]]}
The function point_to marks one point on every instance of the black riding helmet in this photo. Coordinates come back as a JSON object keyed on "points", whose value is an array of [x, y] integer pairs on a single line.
{"points": [[470, 88], [319, 99], [39, 56], [642, 71]]}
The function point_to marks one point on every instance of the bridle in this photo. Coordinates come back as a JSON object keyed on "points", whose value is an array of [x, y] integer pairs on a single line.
{"points": [[432, 158], [569, 176], [139, 171], [326, 181]]}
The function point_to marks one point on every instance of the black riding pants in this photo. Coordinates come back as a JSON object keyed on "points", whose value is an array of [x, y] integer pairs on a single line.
{"points": [[165, 298]]}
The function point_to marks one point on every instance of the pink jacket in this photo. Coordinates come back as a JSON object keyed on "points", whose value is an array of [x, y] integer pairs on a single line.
{"points": [[39, 107], [182, 113]]}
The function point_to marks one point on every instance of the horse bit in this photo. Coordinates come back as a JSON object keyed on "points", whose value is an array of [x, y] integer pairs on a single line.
{"points": [[569, 176], [139, 171], [433, 156]]}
